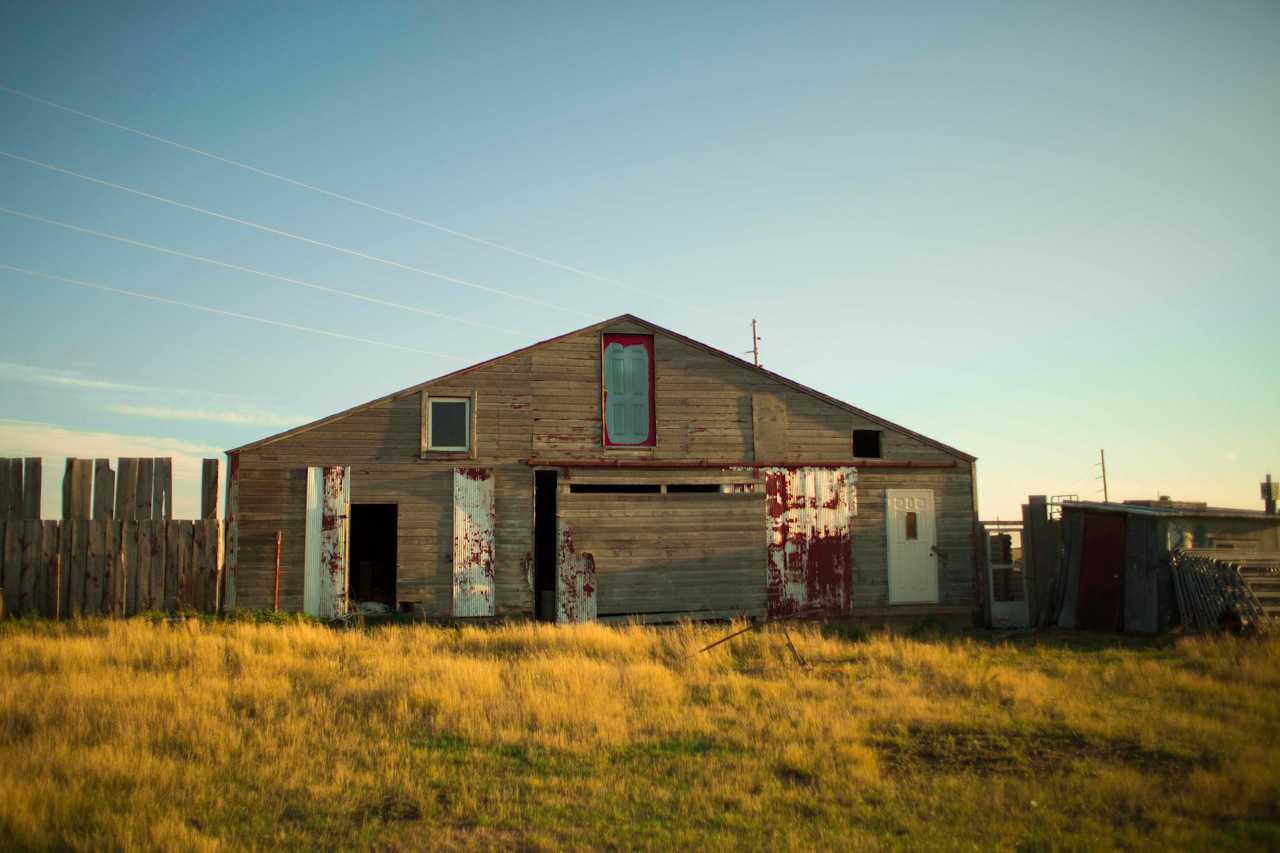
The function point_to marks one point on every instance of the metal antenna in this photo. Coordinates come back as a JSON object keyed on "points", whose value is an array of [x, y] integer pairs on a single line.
{"points": [[755, 344]]}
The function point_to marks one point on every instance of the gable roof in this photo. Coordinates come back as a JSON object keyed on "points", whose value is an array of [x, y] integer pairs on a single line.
{"points": [[790, 383]]}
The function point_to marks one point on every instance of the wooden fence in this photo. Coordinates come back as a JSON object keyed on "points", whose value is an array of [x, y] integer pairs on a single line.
{"points": [[117, 550]]}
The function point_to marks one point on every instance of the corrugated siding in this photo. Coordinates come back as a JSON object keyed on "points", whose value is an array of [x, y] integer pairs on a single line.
{"points": [[810, 555], [474, 519]]}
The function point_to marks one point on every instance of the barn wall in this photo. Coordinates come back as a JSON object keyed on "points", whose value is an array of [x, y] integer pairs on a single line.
{"points": [[545, 403]]}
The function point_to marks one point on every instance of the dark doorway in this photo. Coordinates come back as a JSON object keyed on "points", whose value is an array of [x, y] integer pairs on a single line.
{"points": [[373, 553], [545, 484], [1101, 572]]}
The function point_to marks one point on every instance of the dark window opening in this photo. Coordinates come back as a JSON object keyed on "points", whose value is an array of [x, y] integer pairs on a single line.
{"points": [[450, 427], [614, 488], [866, 443], [544, 543], [912, 529], [373, 553], [676, 488]]}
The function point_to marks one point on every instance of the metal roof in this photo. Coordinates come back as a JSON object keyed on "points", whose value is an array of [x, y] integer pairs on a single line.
{"points": [[1173, 511]]}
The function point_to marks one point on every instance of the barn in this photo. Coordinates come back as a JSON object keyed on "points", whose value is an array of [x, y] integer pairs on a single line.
{"points": [[620, 471]]}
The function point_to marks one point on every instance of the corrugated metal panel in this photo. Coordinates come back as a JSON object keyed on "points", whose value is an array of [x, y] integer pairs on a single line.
{"points": [[810, 559], [324, 591], [474, 516], [575, 580]]}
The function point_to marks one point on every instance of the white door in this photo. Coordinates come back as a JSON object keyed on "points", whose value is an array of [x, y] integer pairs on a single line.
{"points": [[913, 541], [324, 583]]}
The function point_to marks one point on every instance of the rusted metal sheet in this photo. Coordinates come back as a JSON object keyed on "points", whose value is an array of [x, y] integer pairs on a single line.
{"points": [[810, 553], [474, 518], [231, 545], [324, 590], [575, 580]]}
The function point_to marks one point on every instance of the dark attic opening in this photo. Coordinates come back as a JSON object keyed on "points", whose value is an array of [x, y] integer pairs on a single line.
{"points": [[545, 485], [373, 554]]}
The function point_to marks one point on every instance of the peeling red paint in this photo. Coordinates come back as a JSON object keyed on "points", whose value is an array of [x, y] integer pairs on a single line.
{"points": [[575, 581], [810, 556], [474, 523], [478, 474]]}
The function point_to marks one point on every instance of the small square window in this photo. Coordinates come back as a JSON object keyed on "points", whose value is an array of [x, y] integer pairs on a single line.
{"points": [[450, 423], [913, 530], [866, 443]]}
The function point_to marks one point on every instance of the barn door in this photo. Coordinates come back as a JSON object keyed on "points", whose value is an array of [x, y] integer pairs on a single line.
{"points": [[1101, 572], [810, 553], [473, 522], [324, 587], [913, 546]]}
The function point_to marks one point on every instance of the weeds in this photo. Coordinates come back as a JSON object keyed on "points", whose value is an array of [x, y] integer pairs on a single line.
{"points": [[267, 731]]}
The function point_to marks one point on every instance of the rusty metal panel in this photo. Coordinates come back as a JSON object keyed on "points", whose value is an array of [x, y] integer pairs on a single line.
{"points": [[324, 591], [575, 579], [810, 554], [474, 517]]}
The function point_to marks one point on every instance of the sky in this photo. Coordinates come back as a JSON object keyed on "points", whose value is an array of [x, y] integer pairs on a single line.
{"points": [[1028, 230]]}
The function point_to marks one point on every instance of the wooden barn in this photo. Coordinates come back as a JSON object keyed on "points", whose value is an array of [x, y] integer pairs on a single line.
{"points": [[618, 471]]}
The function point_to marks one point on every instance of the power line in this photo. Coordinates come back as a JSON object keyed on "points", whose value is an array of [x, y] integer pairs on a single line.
{"points": [[331, 194], [295, 281], [278, 232], [223, 313]]}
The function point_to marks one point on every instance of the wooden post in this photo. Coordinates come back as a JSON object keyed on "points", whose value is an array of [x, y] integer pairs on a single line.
{"points": [[275, 598], [31, 483], [95, 569], [209, 489], [47, 589], [213, 560], [162, 492], [15, 488], [159, 563], [32, 544], [146, 483], [114, 587], [104, 490], [130, 565], [171, 575], [186, 549], [127, 490], [194, 588], [5, 511], [12, 576]]}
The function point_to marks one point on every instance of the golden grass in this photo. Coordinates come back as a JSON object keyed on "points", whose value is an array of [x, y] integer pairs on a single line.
{"points": [[209, 734]]}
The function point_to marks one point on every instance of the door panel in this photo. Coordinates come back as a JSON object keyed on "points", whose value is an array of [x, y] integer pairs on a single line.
{"points": [[910, 517], [1101, 572], [810, 553], [324, 587], [474, 517]]}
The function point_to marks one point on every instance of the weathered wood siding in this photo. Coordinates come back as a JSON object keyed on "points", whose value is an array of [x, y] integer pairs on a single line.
{"points": [[545, 403]]}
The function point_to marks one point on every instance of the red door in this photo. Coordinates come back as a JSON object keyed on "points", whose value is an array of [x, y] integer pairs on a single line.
{"points": [[1101, 572]]}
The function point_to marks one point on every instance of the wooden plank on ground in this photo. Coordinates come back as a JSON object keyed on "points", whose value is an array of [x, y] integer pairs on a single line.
{"points": [[162, 493], [15, 488], [146, 483], [95, 569], [47, 587], [129, 567], [104, 490], [171, 573], [32, 536], [209, 489], [32, 482], [127, 490]]}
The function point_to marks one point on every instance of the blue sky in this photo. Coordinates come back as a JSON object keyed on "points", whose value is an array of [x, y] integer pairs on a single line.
{"points": [[1029, 230]]}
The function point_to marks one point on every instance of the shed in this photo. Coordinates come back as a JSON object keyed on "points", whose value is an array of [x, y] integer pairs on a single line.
{"points": [[1116, 570], [621, 470]]}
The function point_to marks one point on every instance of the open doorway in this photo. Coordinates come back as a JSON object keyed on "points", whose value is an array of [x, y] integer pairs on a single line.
{"points": [[373, 554], [545, 485]]}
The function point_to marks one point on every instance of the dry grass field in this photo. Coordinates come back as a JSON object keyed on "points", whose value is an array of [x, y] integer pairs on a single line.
{"points": [[210, 735]]}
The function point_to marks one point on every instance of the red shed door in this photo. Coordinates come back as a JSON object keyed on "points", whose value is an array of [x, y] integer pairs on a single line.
{"points": [[1101, 572]]}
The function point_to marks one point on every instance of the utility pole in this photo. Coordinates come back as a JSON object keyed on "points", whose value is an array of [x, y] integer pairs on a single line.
{"points": [[755, 344], [1102, 460]]}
